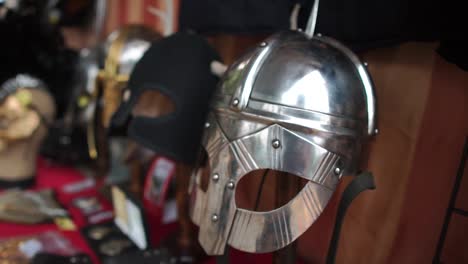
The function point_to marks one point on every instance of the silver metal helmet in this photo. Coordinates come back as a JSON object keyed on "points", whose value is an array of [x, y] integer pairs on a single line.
{"points": [[293, 104]]}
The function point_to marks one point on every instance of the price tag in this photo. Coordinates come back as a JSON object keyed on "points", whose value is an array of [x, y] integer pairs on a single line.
{"points": [[65, 224], [30, 247]]}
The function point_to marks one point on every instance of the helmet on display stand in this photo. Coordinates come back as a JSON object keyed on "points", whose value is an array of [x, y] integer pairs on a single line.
{"points": [[296, 104], [122, 50]]}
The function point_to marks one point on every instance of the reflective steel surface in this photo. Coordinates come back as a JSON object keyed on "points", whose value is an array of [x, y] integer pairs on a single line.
{"points": [[230, 161], [318, 74], [133, 41], [293, 104]]}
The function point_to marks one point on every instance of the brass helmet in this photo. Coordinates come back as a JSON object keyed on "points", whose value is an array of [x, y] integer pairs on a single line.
{"points": [[123, 49]]}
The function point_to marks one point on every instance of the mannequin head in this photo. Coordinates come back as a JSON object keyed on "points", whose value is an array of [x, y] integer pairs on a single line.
{"points": [[24, 114]]}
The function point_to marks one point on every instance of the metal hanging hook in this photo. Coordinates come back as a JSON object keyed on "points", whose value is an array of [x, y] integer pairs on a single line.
{"points": [[312, 22]]}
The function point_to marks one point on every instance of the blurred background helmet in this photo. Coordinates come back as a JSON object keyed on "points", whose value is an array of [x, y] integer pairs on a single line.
{"points": [[123, 49]]}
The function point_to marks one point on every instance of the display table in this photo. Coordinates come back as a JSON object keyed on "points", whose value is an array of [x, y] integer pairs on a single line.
{"points": [[55, 177]]}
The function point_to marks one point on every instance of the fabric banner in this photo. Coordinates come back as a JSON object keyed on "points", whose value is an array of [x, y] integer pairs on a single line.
{"points": [[162, 15]]}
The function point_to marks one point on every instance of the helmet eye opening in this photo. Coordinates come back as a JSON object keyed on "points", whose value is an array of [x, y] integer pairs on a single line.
{"points": [[265, 190]]}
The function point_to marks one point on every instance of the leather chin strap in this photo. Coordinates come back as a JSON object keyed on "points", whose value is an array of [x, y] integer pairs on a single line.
{"points": [[362, 182]]}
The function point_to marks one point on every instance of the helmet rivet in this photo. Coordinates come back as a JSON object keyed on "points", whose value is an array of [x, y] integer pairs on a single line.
{"points": [[214, 218], [276, 143], [207, 125], [366, 64], [263, 44], [376, 131], [299, 29], [215, 177], [235, 102], [319, 34], [230, 185], [337, 171], [126, 95]]}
